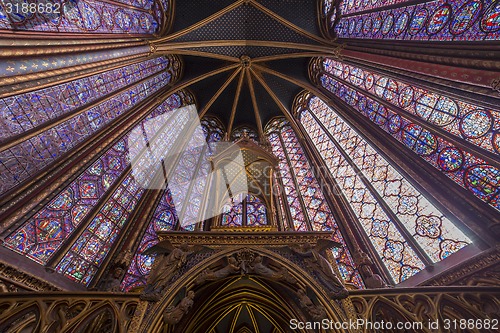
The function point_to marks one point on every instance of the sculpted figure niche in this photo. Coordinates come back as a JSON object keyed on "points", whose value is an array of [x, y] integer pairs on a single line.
{"points": [[231, 268], [316, 312], [371, 279], [173, 314], [248, 262], [258, 268], [318, 265], [169, 261]]}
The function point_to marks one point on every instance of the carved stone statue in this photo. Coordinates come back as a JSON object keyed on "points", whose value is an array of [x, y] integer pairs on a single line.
{"points": [[316, 312], [169, 260], [173, 314], [113, 282], [3, 287], [257, 267], [231, 268], [124, 258], [371, 279], [320, 265]]}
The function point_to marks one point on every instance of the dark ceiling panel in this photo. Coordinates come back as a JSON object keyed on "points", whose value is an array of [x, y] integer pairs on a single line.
{"points": [[283, 89], [196, 66], [251, 51], [245, 23], [267, 107], [302, 13], [295, 67], [189, 12]]}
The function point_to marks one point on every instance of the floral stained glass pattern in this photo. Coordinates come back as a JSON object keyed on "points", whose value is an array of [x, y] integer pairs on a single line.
{"points": [[394, 251], [88, 252], [245, 131], [85, 16], [290, 191], [255, 211], [465, 120], [165, 215], [294, 166], [440, 153], [163, 220], [249, 211], [90, 249], [441, 20], [46, 231], [353, 6], [213, 131], [428, 227], [30, 156], [26, 111]]}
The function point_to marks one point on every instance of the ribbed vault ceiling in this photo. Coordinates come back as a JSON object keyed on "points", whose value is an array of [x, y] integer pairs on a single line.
{"points": [[245, 60]]}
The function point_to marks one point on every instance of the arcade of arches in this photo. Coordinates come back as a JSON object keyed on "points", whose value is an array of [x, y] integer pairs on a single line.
{"points": [[249, 166]]}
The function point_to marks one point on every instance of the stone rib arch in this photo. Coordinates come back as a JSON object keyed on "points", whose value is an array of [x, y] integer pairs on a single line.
{"points": [[276, 289]]}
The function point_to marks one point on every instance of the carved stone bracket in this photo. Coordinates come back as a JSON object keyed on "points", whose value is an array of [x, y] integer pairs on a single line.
{"points": [[482, 269], [17, 279], [199, 261]]}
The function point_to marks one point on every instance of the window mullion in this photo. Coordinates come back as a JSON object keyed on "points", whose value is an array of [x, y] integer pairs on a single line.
{"points": [[385, 207]]}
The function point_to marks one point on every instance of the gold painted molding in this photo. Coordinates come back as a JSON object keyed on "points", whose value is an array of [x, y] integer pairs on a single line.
{"points": [[218, 238]]}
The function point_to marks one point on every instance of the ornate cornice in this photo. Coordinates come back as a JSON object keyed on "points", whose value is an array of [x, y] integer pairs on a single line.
{"points": [[12, 274], [244, 238], [467, 269]]}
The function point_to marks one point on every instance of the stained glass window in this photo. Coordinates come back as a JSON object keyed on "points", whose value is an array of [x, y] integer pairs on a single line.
{"points": [[353, 6], [89, 250], [465, 120], [23, 66], [367, 179], [46, 231], [85, 16], [165, 216], [31, 110], [245, 131], [454, 162], [431, 20], [329, 13], [164, 220], [233, 213], [303, 195], [249, 210]]}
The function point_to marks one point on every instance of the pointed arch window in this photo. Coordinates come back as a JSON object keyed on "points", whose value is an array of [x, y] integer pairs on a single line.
{"points": [[250, 211], [471, 20], [35, 110], [165, 216], [302, 197], [121, 17], [353, 6], [404, 227], [473, 123]]}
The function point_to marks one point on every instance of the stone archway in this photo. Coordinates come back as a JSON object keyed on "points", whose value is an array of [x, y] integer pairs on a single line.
{"points": [[271, 287]]}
